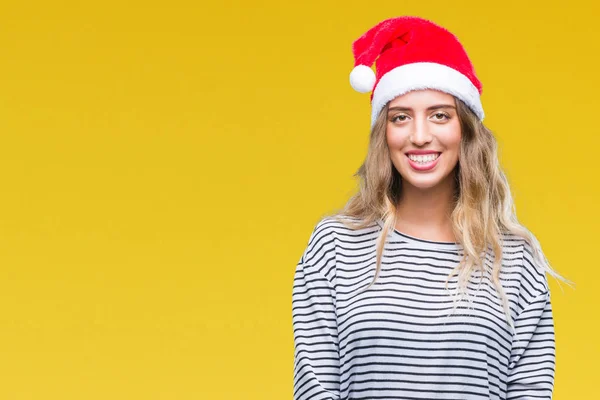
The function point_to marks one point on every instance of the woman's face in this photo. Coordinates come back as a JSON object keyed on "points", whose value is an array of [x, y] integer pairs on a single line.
{"points": [[423, 135]]}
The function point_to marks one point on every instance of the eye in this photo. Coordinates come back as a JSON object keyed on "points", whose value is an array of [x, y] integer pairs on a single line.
{"points": [[399, 118], [441, 116]]}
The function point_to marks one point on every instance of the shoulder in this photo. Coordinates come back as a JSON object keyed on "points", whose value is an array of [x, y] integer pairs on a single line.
{"points": [[345, 229], [321, 238], [336, 235], [525, 267]]}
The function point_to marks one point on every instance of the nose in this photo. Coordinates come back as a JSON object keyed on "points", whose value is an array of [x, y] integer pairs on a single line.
{"points": [[420, 134]]}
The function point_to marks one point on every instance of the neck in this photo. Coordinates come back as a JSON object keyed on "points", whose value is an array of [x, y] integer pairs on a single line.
{"points": [[426, 213]]}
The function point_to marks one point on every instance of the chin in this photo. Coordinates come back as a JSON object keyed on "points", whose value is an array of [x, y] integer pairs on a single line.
{"points": [[424, 182]]}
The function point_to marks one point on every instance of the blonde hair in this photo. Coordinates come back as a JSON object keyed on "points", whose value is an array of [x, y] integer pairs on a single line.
{"points": [[483, 208]]}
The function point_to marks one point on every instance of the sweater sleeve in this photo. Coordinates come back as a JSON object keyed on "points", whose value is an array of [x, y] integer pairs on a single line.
{"points": [[316, 354], [532, 361]]}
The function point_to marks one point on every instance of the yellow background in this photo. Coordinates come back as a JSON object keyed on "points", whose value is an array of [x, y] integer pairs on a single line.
{"points": [[163, 165]]}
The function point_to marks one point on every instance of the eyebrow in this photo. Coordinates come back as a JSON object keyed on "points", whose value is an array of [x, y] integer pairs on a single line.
{"points": [[435, 107]]}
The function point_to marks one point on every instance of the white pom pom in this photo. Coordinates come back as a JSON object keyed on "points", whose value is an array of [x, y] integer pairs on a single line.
{"points": [[362, 79]]}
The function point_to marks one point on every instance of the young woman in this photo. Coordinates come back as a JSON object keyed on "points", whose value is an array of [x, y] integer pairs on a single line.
{"points": [[425, 285]]}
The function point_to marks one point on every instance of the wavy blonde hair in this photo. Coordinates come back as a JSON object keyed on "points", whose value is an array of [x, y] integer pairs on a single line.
{"points": [[483, 208]]}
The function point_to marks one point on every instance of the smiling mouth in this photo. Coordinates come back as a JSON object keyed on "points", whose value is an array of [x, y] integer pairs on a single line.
{"points": [[423, 158]]}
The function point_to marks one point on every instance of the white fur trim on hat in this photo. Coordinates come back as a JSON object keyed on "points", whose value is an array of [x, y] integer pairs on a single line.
{"points": [[425, 75]]}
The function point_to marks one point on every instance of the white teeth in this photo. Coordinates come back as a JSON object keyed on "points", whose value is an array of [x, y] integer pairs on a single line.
{"points": [[423, 158]]}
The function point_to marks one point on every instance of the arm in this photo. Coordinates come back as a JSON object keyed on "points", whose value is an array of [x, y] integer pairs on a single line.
{"points": [[316, 356], [531, 368]]}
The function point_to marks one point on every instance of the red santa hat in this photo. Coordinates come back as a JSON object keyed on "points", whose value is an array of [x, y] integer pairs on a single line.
{"points": [[413, 53]]}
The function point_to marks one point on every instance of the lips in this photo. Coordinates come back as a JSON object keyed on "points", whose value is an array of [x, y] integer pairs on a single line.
{"points": [[423, 160]]}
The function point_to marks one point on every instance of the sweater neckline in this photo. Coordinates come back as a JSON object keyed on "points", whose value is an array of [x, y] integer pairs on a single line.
{"points": [[420, 241]]}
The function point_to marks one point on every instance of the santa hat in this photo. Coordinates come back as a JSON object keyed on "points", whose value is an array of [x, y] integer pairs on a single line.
{"points": [[413, 53]]}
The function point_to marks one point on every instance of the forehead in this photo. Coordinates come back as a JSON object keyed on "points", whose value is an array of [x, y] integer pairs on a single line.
{"points": [[422, 99]]}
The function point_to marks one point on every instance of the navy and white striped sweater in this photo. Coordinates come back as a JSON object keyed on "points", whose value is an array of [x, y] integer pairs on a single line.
{"points": [[399, 340]]}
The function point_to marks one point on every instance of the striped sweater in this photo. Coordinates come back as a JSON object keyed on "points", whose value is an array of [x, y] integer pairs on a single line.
{"points": [[401, 338]]}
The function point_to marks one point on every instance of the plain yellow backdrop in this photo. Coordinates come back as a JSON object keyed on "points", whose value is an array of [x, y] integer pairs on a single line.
{"points": [[163, 165]]}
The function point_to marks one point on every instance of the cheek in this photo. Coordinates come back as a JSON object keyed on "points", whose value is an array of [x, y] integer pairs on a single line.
{"points": [[451, 138], [395, 138]]}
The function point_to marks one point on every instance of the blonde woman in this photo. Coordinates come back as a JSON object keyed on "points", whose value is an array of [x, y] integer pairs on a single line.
{"points": [[424, 285]]}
